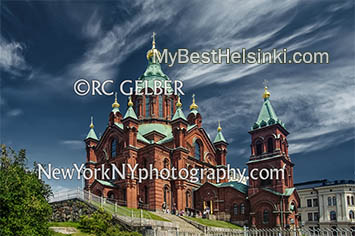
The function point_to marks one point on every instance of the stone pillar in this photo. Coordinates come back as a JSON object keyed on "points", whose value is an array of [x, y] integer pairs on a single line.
{"points": [[278, 219], [343, 204], [323, 212], [180, 194], [132, 194], [339, 207]]}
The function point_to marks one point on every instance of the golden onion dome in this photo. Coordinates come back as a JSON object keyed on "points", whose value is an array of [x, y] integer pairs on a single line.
{"points": [[130, 103], [266, 93], [219, 129], [115, 104], [178, 104], [92, 123], [193, 106]]}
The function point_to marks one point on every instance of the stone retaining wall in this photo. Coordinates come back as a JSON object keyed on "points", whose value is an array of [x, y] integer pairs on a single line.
{"points": [[70, 210]]}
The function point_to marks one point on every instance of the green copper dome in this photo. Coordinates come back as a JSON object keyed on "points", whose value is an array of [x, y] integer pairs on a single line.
{"points": [[154, 71]]}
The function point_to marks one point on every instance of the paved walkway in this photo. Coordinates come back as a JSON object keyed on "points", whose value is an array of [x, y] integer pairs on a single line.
{"points": [[64, 230], [180, 223]]}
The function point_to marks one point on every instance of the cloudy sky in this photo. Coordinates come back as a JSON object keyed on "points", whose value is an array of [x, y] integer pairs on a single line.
{"points": [[47, 45]]}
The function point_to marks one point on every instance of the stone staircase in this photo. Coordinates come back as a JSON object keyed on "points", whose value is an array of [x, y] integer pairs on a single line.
{"points": [[181, 224]]}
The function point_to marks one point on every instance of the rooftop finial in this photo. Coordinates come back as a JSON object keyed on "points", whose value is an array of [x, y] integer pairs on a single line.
{"points": [[178, 104], [193, 106], [153, 52], [130, 103], [219, 126], [115, 104], [92, 123], [266, 94], [153, 42]]}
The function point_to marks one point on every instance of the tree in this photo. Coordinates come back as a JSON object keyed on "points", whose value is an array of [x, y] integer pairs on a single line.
{"points": [[24, 209]]}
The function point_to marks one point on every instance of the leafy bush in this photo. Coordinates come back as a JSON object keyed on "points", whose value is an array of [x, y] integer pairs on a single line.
{"points": [[100, 224], [24, 209]]}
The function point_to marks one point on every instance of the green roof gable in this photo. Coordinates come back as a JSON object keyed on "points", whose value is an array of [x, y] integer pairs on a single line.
{"points": [[267, 116], [92, 134], [179, 114], [106, 183], [219, 138], [130, 114], [236, 185], [160, 128], [288, 191], [233, 184]]}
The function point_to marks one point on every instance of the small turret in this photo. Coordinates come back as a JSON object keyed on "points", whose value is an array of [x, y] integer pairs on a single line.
{"points": [[130, 124], [179, 114], [221, 145], [179, 125], [115, 115], [194, 116], [92, 134], [91, 141], [267, 115], [130, 113]]}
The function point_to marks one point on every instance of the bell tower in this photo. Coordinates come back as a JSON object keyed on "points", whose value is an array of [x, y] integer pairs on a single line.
{"points": [[269, 150]]}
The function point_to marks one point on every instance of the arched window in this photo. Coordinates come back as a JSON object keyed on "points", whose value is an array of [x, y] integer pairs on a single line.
{"points": [[348, 200], [329, 201], [270, 145], [147, 106], [188, 195], [286, 178], [172, 108], [166, 192], [242, 209], [124, 196], [351, 214], [138, 105], [266, 217], [166, 163], [235, 209], [333, 215], [198, 175], [334, 201], [259, 147], [146, 195], [113, 148], [111, 196], [160, 106], [197, 150], [352, 200]]}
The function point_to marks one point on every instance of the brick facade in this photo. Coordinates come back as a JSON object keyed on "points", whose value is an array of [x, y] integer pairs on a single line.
{"points": [[154, 131]]}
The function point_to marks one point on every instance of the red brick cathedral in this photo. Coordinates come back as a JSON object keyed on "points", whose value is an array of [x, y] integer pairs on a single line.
{"points": [[154, 130]]}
